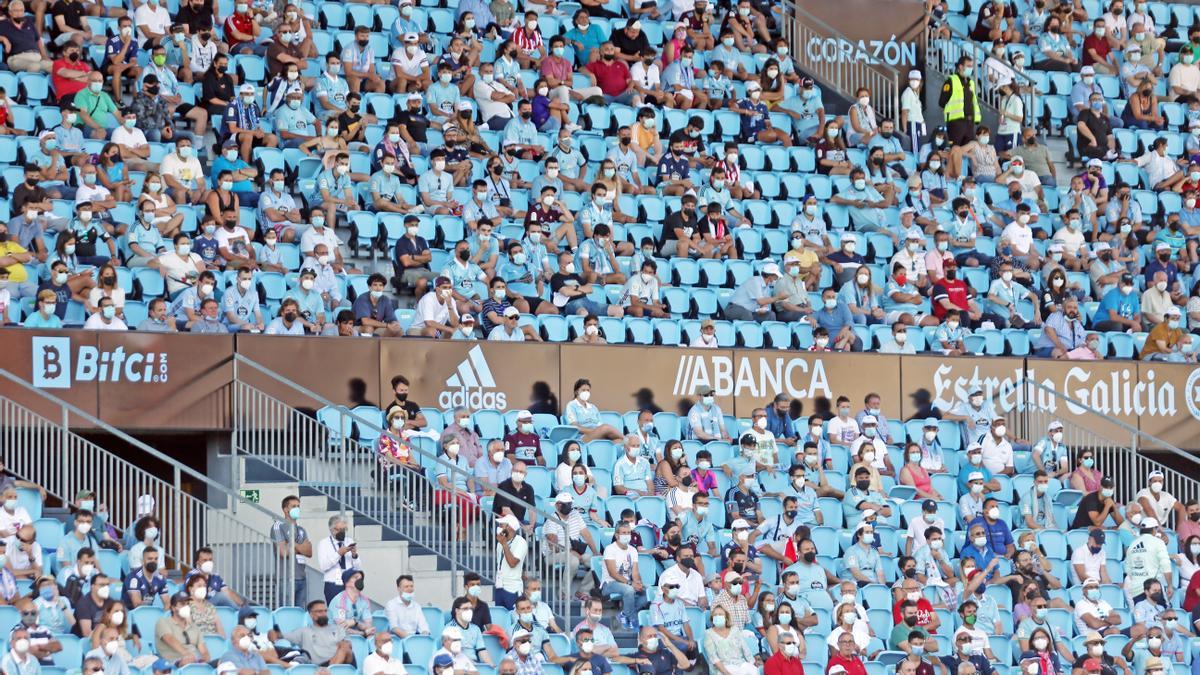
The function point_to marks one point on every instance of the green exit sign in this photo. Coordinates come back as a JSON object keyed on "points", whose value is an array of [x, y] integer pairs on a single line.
{"points": [[251, 496]]}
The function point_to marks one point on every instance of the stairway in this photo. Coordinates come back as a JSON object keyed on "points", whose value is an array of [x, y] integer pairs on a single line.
{"points": [[383, 553]]}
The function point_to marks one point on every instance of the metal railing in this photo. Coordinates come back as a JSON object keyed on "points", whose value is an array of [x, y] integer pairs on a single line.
{"points": [[455, 525], [942, 54], [47, 453], [1117, 446], [809, 37]]}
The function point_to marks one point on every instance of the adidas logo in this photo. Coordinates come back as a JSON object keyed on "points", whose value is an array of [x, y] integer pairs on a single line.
{"points": [[470, 384]]}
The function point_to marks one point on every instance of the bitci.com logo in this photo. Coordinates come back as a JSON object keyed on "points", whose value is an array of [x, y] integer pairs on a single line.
{"points": [[52, 360]]}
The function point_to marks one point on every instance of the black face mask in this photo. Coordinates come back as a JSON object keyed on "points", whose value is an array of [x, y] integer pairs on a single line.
{"points": [[738, 567], [109, 281], [72, 57], [963, 214], [464, 255], [687, 481], [951, 274], [31, 182], [608, 57], [1158, 598], [1031, 141], [359, 584], [626, 140], [810, 557], [862, 484], [1194, 517], [151, 566], [526, 114], [221, 69], [1015, 196], [321, 621], [910, 621], [674, 540], [564, 509], [339, 536], [1166, 256], [362, 43], [791, 513], [497, 170], [289, 316], [688, 563], [231, 224], [152, 89], [911, 573], [3, 237]]}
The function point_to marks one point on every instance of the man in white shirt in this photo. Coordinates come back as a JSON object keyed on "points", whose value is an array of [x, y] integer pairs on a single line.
{"points": [[336, 554], [135, 149], [511, 549], [404, 615], [381, 661], [105, 318], [183, 173], [684, 575], [1018, 233], [495, 99], [1091, 560], [641, 296], [620, 575], [1161, 169], [437, 313], [152, 19], [707, 338], [997, 451], [410, 66], [12, 516], [1092, 613]]}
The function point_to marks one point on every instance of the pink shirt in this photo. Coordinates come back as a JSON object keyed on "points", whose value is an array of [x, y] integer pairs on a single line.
{"points": [[557, 67]]}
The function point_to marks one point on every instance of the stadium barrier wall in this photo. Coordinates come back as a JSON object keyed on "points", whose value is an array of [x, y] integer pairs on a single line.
{"points": [[165, 382]]}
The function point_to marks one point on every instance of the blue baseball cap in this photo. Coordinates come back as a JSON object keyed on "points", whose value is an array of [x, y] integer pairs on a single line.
{"points": [[162, 665]]}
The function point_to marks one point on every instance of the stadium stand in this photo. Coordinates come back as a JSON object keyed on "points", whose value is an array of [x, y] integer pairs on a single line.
{"points": [[653, 174]]}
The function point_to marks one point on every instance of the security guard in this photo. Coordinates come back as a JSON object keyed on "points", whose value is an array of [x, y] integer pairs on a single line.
{"points": [[960, 104]]}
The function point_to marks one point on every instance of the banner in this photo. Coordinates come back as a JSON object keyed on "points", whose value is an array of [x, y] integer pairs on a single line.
{"points": [[160, 381], [63, 363], [147, 381], [345, 371], [498, 375], [864, 31], [1175, 414]]}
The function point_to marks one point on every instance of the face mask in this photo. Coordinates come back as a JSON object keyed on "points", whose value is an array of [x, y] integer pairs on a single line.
{"points": [[573, 456]]}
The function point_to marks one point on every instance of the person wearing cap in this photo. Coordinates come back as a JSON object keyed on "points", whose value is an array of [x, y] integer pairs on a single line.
{"points": [[350, 608], [1094, 660], [522, 443], [410, 66], [705, 420], [508, 330], [1037, 505], [1050, 454], [864, 494], [753, 299], [1157, 503], [1164, 343], [44, 315], [582, 546], [870, 449], [176, 637], [930, 559]]}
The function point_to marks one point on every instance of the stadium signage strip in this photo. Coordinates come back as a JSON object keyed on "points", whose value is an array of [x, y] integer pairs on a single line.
{"points": [[156, 381]]}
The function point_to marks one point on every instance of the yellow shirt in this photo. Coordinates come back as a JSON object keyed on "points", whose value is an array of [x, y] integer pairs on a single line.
{"points": [[806, 257], [1164, 333], [16, 272]]}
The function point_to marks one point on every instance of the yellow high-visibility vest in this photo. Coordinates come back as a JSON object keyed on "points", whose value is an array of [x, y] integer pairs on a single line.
{"points": [[956, 106]]}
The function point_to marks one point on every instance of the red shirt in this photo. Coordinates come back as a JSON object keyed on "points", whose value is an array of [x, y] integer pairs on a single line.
{"points": [[63, 86], [613, 77], [779, 664], [924, 613], [1099, 45], [243, 23], [853, 666], [955, 291]]}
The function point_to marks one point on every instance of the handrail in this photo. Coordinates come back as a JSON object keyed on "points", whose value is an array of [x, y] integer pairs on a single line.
{"points": [[406, 503], [802, 27], [942, 55], [1116, 458], [245, 556]]}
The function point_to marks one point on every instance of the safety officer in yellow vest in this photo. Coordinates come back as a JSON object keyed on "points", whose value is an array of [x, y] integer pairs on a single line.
{"points": [[960, 104]]}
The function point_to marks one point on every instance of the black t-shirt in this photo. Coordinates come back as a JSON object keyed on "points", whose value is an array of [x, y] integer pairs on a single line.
{"points": [[627, 45], [1090, 502], [416, 123], [559, 280], [410, 407], [86, 608], [86, 241], [197, 20], [677, 220], [23, 194], [62, 296], [72, 14], [524, 493], [1097, 123], [217, 86]]}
